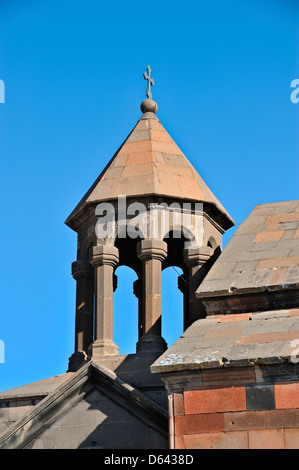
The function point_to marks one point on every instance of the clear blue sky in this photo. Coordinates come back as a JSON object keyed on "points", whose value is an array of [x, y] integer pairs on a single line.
{"points": [[73, 86]]}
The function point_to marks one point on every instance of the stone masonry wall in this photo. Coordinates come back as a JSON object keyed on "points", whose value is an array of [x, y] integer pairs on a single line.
{"points": [[249, 416], [12, 410]]}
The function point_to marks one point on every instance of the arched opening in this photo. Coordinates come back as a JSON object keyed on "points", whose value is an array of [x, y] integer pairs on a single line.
{"points": [[125, 311], [174, 284], [172, 305], [217, 251], [212, 243]]}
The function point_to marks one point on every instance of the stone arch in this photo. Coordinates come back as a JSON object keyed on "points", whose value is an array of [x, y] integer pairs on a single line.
{"points": [[85, 248], [212, 243], [175, 223]]}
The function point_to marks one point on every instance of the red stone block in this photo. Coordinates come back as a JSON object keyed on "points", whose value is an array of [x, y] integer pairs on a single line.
{"points": [[280, 218], [234, 317], [215, 400], [286, 395], [195, 424], [269, 337], [268, 236]]}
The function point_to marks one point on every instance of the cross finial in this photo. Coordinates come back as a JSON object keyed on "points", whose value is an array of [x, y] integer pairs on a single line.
{"points": [[150, 82]]}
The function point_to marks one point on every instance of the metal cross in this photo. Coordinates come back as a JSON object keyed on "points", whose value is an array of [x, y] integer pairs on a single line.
{"points": [[150, 82]]}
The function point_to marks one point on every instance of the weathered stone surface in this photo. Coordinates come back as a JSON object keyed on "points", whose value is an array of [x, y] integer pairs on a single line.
{"points": [[258, 338], [258, 259]]}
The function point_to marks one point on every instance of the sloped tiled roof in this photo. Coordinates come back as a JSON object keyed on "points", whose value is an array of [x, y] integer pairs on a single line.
{"points": [[35, 389], [226, 341], [149, 163], [263, 254]]}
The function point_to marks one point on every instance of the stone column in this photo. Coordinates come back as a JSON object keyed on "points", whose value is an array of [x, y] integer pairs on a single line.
{"points": [[83, 273], [151, 252], [196, 259], [104, 259]]}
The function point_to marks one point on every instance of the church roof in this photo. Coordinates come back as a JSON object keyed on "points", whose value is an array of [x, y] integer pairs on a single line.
{"points": [[69, 391], [258, 269], [150, 163], [37, 389], [227, 341], [261, 258]]}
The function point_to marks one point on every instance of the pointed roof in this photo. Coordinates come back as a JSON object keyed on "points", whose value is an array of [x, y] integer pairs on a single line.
{"points": [[149, 163]]}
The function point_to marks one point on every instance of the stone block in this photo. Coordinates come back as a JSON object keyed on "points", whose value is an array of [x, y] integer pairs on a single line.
{"points": [[138, 169], [280, 218], [139, 135], [292, 275], [266, 439], [249, 354], [263, 419], [234, 317], [218, 440], [291, 437], [268, 236], [274, 337], [286, 395], [199, 328], [276, 277], [195, 424], [278, 262], [215, 400], [214, 378], [260, 397], [178, 404]]}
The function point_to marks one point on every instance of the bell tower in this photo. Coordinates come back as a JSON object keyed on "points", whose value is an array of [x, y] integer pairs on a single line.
{"points": [[149, 209]]}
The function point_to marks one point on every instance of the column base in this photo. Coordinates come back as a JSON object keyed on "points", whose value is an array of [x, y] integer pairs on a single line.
{"points": [[101, 348], [151, 344]]}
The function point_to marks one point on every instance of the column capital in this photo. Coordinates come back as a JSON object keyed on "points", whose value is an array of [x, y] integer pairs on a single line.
{"points": [[152, 249], [197, 255], [104, 254], [81, 268]]}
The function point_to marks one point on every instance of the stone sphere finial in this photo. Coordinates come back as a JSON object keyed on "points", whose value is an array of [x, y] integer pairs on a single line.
{"points": [[149, 106]]}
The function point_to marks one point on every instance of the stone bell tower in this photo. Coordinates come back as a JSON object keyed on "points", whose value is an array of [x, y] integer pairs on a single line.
{"points": [[120, 221]]}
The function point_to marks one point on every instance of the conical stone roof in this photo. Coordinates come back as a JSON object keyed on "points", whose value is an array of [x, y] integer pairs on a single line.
{"points": [[149, 163]]}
